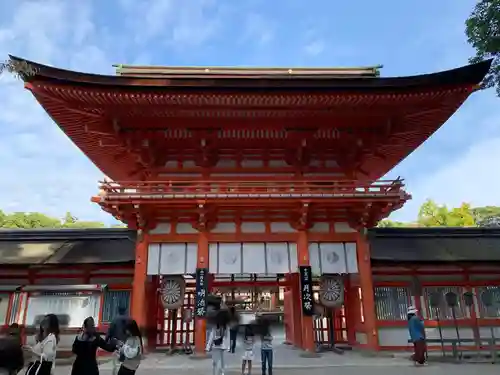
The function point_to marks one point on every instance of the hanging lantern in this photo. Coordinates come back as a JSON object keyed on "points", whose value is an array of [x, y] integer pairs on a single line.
{"points": [[468, 299], [435, 299], [451, 299], [331, 292], [172, 292], [487, 298]]}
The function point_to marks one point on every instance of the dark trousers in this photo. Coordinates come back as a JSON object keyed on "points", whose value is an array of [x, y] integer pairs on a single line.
{"points": [[125, 371], [266, 356], [419, 351], [39, 368], [232, 340]]}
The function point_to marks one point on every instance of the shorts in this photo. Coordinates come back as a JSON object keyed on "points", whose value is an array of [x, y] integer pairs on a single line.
{"points": [[248, 355]]}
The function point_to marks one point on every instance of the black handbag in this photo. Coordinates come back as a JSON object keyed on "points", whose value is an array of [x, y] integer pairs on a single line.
{"points": [[39, 368]]}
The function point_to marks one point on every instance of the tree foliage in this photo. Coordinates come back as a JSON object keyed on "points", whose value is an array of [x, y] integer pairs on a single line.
{"points": [[483, 33], [34, 220], [432, 214]]}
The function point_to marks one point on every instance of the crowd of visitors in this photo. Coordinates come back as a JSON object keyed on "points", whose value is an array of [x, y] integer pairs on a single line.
{"points": [[123, 338], [223, 337]]}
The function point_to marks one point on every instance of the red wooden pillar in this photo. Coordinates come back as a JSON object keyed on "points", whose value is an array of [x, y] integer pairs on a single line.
{"points": [[152, 315], [306, 321], [367, 295], [351, 306], [295, 311], [200, 336], [274, 300], [287, 322], [139, 292]]}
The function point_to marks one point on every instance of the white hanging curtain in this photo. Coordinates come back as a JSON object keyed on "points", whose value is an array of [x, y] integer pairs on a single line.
{"points": [[75, 307]]}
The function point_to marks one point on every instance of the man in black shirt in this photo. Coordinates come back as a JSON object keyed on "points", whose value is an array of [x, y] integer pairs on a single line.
{"points": [[117, 333]]}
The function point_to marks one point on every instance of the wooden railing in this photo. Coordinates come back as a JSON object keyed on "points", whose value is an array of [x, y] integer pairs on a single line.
{"points": [[249, 189]]}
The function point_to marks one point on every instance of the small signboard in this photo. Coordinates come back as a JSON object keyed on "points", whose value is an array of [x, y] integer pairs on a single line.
{"points": [[201, 292], [306, 291]]}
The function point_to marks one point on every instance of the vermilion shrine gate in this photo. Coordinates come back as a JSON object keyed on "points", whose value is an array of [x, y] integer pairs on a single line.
{"points": [[251, 175]]}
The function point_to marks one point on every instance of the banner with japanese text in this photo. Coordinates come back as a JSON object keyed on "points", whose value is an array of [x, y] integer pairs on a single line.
{"points": [[306, 290], [200, 302]]}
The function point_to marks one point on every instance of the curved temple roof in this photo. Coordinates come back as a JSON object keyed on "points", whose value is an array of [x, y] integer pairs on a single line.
{"points": [[318, 79], [397, 114]]}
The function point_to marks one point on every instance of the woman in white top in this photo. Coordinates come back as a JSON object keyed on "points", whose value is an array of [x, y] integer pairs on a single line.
{"points": [[131, 350], [46, 346], [216, 345]]}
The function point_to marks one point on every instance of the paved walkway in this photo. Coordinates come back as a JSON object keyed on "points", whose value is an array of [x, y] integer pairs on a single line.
{"points": [[381, 369], [288, 360]]}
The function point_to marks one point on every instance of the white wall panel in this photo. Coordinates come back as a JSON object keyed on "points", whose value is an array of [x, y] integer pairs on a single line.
{"points": [[333, 258], [277, 258], [229, 258], [172, 259], [253, 227], [254, 257], [153, 259], [351, 256]]}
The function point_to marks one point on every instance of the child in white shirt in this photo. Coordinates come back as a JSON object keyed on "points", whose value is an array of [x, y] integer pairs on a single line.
{"points": [[248, 355]]}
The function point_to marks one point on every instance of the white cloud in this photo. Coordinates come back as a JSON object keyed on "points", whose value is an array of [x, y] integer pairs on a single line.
{"points": [[472, 177], [315, 47], [41, 169], [180, 24]]}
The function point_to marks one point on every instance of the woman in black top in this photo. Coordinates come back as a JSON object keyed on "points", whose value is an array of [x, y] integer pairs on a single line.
{"points": [[85, 348]]}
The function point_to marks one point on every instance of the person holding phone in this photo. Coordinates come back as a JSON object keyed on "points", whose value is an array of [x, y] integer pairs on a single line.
{"points": [[45, 348], [132, 349]]}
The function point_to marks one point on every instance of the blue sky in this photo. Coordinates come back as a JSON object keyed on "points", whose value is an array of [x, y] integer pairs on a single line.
{"points": [[43, 171]]}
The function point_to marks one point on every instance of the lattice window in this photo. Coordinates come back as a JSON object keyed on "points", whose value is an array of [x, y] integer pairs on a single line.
{"points": [[445, 312], [113, 300], [494, 310], [392, 303]]}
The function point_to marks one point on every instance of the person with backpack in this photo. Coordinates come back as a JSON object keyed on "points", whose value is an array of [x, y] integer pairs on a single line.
{"points": [[132, 349], [216, 345]]}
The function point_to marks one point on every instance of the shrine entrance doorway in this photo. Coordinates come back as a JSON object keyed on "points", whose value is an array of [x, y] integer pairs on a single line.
{"points": [[251, 292]]}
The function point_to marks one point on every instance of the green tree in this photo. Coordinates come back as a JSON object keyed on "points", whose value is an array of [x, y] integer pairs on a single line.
{"points": [[71, 221], [33, 220], [392, 224], [481, 213], [434, 215], [487, 216], [29, 220], [2, 218], [483, 33]]}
